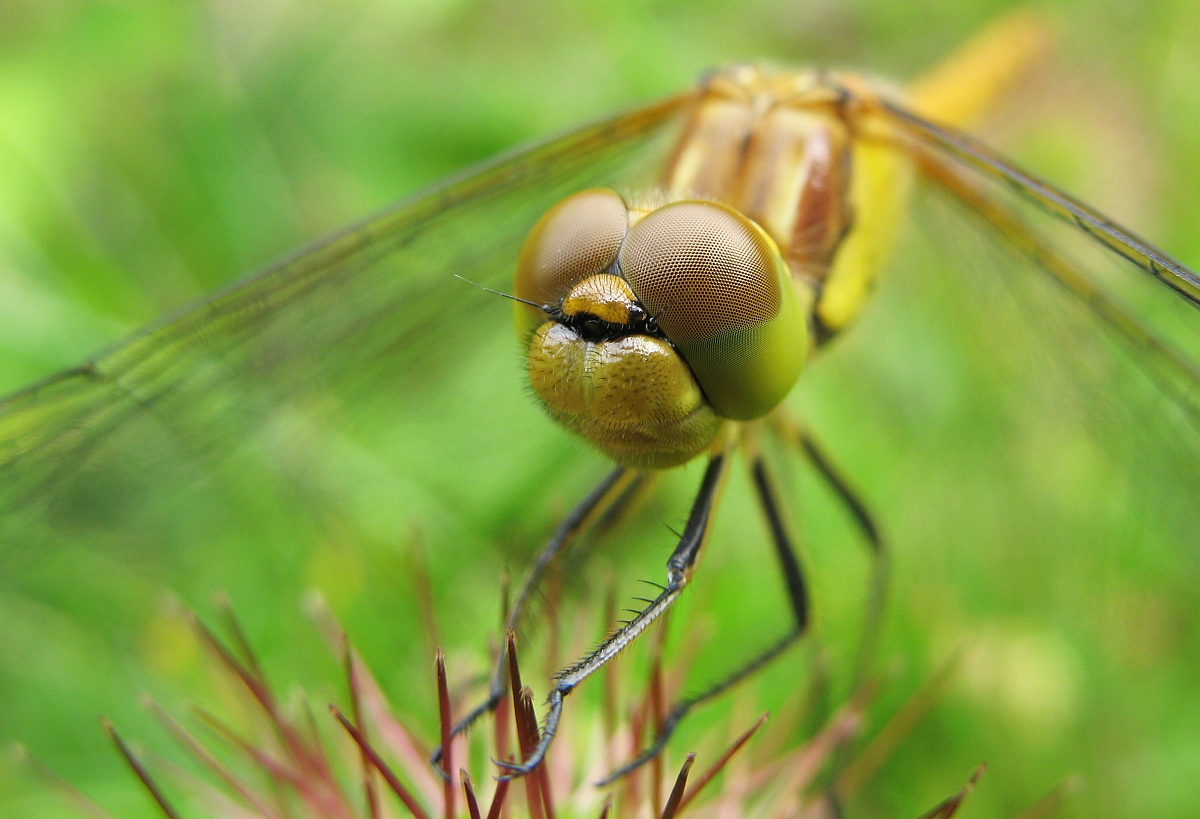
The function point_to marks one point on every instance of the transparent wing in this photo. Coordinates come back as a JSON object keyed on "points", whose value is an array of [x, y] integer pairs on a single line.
{"points": [[946, 141], [1163, 337], [1176, 373], [377, 302]]}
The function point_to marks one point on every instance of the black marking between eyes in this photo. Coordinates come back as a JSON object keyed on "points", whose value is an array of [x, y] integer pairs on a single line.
{"points": [[593, 328]]}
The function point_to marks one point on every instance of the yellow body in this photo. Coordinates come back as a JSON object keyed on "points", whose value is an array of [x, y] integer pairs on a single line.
{"points": [[794, 185]]}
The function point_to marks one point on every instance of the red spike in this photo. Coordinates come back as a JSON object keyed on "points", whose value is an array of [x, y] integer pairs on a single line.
{"points": [[950, 807], [501, 728], [632, 794], [656, 721], [193, 746], [607, 806], [672, 806], [257, 687], [141, 772], [526, 722], [386, 772], [273, 767], [423, 589], [514, 668], [527, 735], [498, 799], [716, 768], [261, 691], [543, 777], [500, 714], [447, 724], [542, 773], [225, 608], [472, 804], [530, 739], [352, 684]]}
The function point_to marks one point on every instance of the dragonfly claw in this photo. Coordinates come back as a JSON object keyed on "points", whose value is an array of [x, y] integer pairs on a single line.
{"points": [[515, 770]]}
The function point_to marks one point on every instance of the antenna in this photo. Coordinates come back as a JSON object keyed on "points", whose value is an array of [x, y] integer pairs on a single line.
{"points": [[545, 308]]}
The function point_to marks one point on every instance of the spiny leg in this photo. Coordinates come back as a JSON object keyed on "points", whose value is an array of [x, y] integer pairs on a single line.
{"points": [[880, 556], [679, 572], [797, 593], [602, 504]]}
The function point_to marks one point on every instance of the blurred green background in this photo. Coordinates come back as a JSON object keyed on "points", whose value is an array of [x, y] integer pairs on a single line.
{"points": [[150, 152]]}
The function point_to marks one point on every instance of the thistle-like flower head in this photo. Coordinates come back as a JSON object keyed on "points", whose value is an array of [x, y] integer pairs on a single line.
{"points": [[358, 759]]}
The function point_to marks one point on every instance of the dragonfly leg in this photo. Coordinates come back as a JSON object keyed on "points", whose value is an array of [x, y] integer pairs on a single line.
{"points": [[600, 505], [880, 556], [679, 571], [797, 593]]}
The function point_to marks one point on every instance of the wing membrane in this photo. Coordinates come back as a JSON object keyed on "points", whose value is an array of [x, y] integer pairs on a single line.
{"points": [[980, 179], [374, 294], [944, 139], [1177, 374]]}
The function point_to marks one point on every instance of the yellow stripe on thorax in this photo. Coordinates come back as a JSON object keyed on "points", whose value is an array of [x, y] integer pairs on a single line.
{"points": [[965, 86]]}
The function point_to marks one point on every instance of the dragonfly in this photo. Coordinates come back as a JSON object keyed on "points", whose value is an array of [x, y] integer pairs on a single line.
{"points": [[303, 339]]}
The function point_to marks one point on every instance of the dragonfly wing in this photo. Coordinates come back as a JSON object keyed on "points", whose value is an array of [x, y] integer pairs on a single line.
{"points": [[948, 141], [375, 301], [1176, 372], [1004, 197]]}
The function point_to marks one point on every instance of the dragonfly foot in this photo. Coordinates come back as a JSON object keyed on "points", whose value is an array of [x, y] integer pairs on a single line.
{"points": [[516, 770]]}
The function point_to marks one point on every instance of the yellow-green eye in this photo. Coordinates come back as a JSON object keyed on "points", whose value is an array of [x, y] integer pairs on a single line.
{"points": [[723, 295], [577, 238]]}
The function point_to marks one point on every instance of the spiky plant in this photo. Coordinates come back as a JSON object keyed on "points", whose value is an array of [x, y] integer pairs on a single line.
{"points": [[281, 761]]}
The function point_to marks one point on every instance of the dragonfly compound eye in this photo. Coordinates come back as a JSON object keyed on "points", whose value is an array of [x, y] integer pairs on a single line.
{"points": [[722, 293], [577, 238]]}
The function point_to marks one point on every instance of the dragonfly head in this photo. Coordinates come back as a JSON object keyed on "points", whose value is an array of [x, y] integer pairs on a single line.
{"points": [[645, 331]]}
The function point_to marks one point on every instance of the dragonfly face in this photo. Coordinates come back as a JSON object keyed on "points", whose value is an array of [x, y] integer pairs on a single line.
{"points": [[659, 323]]}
